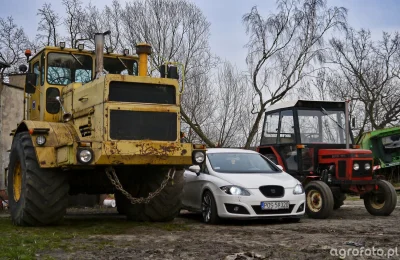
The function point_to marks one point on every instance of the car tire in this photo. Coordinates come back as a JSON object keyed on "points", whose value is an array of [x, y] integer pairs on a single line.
{"points": [[209, 209], [382, 203], [319, 200]]}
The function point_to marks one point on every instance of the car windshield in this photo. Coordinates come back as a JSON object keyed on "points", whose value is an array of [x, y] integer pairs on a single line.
{"points": [[240, 163]]}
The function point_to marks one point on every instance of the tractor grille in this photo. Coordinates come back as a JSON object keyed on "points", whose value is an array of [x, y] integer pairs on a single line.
{"points": [[142, 93], [257, 209], [272, 191], [362, 172], [143, 125], [342, 169]]}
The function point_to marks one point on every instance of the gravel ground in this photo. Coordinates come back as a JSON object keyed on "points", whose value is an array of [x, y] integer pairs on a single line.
{"points": [[261, 239]]}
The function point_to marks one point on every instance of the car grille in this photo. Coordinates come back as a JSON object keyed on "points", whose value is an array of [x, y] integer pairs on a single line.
{"points": [[257, 209], [272, 191], [143, 125]]}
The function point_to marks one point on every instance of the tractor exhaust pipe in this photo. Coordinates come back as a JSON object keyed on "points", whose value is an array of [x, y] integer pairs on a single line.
{"points": [[347, 123], [99, 50]]}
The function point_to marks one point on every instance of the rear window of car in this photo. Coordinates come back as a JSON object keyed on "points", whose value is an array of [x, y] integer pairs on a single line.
{"points": [[240, 163]]}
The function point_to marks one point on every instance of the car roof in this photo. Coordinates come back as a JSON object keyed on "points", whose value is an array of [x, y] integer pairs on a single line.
{"points": [[229, 150]]}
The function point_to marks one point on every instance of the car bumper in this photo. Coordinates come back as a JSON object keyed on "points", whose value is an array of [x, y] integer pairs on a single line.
{"points": [[250, 206]]}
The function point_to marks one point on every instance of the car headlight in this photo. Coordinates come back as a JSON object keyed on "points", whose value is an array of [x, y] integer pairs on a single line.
{"points": [[367, 166], [298, 189], [198, 157], [356, 166], [40, 140], [235, 190], [85, 156]]}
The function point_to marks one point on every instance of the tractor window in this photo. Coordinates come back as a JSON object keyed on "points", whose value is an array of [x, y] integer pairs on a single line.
{"points": [[42, 61], [64, 68], [321, 126], [120, 66], [36, 71], [271, 129], [286, 135]]}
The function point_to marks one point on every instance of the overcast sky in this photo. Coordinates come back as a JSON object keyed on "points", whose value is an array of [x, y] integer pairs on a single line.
{"points": [[227, 31]]}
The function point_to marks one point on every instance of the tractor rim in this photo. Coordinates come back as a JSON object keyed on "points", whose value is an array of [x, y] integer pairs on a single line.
{"points": [[377, 200], [314, 200], [17, 181]]}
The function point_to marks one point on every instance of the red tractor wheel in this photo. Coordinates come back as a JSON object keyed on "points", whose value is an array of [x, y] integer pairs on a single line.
{"points": [[319, 200], [381, 202]]}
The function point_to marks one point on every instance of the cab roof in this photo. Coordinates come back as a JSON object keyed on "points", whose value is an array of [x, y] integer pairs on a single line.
{"points": [[306, 104], [87, 52]]}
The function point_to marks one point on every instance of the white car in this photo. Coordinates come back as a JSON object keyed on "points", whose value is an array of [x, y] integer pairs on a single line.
{"points": [[237, 183]]}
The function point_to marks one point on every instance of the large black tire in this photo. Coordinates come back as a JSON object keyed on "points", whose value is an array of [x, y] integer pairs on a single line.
{"points": [[121, 202], [42, 198], [383, 201], [164, 207], [319, 200], [209, 209]]}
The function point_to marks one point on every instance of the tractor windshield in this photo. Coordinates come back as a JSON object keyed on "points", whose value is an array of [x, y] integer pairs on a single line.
{"points": [[322, 126], [116, 65], [65, 68]]}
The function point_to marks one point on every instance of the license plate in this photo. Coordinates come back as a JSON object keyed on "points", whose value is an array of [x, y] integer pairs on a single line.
{"points": [[273, 205]]}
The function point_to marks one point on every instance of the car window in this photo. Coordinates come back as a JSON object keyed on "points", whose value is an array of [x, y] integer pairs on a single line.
{"points": [[240, 163]]}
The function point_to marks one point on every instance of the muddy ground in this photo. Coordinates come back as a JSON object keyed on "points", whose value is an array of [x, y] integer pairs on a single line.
{"points": [[189, 238]]}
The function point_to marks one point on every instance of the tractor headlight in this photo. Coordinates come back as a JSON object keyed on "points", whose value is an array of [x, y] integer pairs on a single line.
{"points": [[356, 166], [198, 157], [40, 140], [367, 166], [298, 189], [85, 155], [235, 190]]}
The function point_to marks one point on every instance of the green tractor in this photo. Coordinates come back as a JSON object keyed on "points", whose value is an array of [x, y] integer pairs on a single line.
{"points": [[385, 147]]}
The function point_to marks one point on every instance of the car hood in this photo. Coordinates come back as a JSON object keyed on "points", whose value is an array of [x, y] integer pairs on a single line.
{"points": [[255, 180]]}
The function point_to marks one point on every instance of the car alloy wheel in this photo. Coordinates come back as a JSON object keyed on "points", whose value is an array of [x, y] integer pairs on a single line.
{"points": [[206, 207]]}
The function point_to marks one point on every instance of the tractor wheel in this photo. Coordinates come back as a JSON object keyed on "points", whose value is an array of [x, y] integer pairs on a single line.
{"points": [[383, 201], [338, 200], [163, 207], [319, 200], [37, 196], [121, 202]]}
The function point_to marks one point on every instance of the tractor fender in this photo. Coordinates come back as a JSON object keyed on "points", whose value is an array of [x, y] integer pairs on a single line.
{"points": [[60, 139]]}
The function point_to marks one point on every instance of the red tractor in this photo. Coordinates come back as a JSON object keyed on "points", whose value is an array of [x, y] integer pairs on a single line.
{"points": [[312, 141]]}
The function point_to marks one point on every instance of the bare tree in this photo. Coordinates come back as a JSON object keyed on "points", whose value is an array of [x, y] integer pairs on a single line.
{"points": [[178, 31], [371, 69], [74, 20], [282, 47], [48, 25], [13, 42]]}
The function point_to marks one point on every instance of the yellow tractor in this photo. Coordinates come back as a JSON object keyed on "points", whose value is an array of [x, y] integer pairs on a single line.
{"points": [[95, 123]]}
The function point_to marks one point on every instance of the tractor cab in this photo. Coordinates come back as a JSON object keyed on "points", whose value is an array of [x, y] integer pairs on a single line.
{"points": [[294, 132], [312, 141]]}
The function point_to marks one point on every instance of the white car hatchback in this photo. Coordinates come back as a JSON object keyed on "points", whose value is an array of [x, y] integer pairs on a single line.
{"points": [[237, 183]]}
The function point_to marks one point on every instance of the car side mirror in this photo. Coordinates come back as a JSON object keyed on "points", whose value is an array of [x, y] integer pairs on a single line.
{"points": [[195, 169], [30, 82], [280, 167]]}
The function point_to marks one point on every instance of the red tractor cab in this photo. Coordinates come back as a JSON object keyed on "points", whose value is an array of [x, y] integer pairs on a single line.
{"points": [[312, 141]]}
